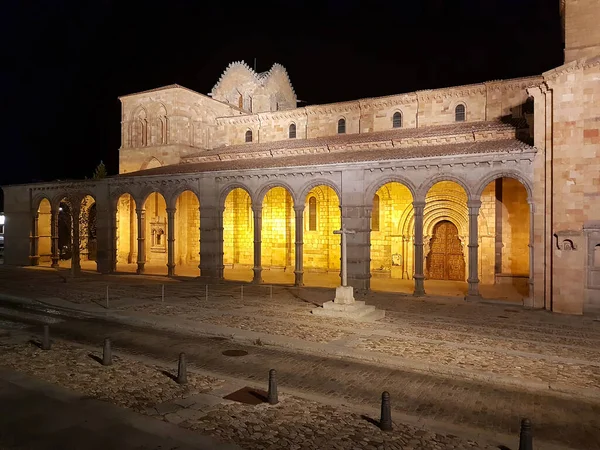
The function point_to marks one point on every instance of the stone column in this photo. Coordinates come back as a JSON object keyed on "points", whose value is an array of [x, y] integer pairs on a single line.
{"points": [[257, 213], [34, 253], [75, 241], [141, 232], [132, 257], [299, 264], [211, 238], [199, 243], [54, 237], [530, 300], [473, 279], [171, 242], [419, 208]]}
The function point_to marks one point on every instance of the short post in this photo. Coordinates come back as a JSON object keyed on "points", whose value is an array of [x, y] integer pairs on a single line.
{"points": [[106, 353], [46, 338], [107, 296], [525, 437], [163, 294], [386, 412], [242, 291], [206, 294], [182, 370], [272, 397]]}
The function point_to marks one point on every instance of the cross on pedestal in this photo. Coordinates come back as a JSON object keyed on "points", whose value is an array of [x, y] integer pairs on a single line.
{"points": [[344, 232]]}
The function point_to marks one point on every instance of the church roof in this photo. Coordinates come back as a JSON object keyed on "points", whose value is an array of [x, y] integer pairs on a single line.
{"points": [[427, 142], [260, 77]]}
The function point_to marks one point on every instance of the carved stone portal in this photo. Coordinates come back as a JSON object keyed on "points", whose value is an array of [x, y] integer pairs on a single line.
{"points": [[158, 225]]}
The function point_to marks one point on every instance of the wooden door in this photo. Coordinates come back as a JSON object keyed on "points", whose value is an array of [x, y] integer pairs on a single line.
{"points": [[445, 260]]}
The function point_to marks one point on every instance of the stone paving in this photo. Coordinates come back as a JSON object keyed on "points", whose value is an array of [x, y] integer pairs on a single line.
{"points": [[294, 423]]}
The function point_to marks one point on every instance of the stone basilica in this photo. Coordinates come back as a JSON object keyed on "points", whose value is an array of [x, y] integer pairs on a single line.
{"points": [[489, 190]]}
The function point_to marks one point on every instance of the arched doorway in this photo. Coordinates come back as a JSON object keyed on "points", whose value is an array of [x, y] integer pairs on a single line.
{"points": [[44, 233], [156, 234], [392, 248], [187, 234], [65, 227], [321, 255], [446, 260], [278, 237], [238, 236], [87, 230], [126, 237]]}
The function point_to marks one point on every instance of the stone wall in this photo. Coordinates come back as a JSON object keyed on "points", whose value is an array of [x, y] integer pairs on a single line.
{"points": [[487, 235], [126, 226], [515, 228], [582, 33], [321, 246], [278, 230], [238, 230], [187, 229]]}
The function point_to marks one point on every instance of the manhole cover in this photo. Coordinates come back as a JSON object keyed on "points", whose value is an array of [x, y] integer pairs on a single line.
{"points": [[235, 352], [248, 396]]}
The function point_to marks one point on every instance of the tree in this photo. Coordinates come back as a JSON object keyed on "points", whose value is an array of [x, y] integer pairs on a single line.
{"points": [[100, 171]]}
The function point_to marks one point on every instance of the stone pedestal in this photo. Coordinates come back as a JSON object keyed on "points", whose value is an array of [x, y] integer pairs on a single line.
{"points": [[344, 306]]}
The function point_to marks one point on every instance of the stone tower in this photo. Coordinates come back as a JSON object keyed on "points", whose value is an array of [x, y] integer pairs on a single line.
{"points": [[581, 32]]}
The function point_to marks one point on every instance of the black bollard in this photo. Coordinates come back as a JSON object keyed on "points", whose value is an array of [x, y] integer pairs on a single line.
{"points": [[272, 397], [386, 412], [107, 353], [182, 370], [46, 338], [525, 438]]}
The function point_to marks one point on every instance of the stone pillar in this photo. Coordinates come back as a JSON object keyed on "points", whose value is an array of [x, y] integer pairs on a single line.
{"points": [[257, 213], [33, 252], [105, 232], [530, 300], [75, 241], [132, 257], [473, 279], [419, 276], [299, 263], [54, 237], [199, 243], [171, 242], [141, 233], [211, 238], [358, 257]]}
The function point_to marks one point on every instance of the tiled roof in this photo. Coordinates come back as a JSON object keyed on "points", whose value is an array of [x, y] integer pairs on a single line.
{"points": [[352, 156]]}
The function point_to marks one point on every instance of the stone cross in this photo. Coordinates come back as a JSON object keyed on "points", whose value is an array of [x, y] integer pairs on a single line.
{"points": [[344, 232]]}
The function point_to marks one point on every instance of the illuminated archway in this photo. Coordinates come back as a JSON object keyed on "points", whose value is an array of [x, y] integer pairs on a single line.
{"points": [[187, 233], [504, 235], [126, 237], [238, 235], [392, 246], [445, 232], [44, 232], [278, 235], [87, 229], [156, 233], [321, 217]]}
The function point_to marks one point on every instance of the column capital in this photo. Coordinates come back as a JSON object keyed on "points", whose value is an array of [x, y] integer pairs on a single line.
{"points": [[474, 206], [171, 210], [299, 208]]}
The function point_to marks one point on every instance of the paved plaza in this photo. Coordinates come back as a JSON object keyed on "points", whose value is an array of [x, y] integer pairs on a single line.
{"points": [[475, 366]]}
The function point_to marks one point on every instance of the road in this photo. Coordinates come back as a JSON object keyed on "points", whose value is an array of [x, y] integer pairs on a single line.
{"points": [[558, 419]]}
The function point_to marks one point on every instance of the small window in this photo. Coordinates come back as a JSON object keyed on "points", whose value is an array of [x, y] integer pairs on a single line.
{"points": [[375, 214], [312, 214], [292, 132], [460, 113], [397, 120], [241, 102], [342, 126], [249, 136]]}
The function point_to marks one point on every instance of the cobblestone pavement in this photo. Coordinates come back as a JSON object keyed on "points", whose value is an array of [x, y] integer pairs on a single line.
{"points": [[293, 423], [484, 340], [461, 403]]}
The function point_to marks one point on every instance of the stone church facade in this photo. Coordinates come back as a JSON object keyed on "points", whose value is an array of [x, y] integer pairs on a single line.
{"points": [[485, 184]]}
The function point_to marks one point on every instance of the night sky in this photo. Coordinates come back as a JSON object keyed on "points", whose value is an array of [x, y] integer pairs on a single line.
{"points": [[66, 62]]}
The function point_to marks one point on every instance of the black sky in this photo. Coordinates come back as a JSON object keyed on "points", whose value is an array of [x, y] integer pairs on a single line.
{"points": [[66, 62]]}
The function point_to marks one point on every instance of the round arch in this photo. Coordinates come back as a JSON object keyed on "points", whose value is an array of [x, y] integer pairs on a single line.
{"points": [[304, 191], [232, 186], [504, 174], [171, 199], [426, 186], [260, 196], [378, 184]]}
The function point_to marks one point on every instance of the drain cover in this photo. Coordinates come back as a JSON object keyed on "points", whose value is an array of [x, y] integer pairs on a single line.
{"points": [[248, 396], [234, 352]]}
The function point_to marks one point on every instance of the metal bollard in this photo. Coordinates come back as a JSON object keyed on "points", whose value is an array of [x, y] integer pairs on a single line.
{"points": [[46, 338], [386, 412], [525, 437], [107, 353], [182, 370], [272, 396]]}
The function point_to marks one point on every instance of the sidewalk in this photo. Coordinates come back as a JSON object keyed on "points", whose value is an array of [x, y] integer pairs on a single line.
{"points": [[41, 416], [500, 344]]}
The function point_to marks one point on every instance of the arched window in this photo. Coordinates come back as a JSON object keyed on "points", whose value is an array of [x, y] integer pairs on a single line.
{"points": [[312, 214], [241, 101], [292, 131], [249, 136], [460, 113], [341, 126], [397, 120], [375, 214]]}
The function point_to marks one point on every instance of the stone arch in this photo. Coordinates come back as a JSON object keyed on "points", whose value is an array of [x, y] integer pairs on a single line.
{"points": [[425, 187], [38, 198], [260, 196], [238, 232], [187, 226], [503, 174], [126, 232], [152, 163], [154, 204], [117, 194], [304, 190], [230, 187], [172, 197], [278, 230], [379, 183], [43, 233], [143, 195]]}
